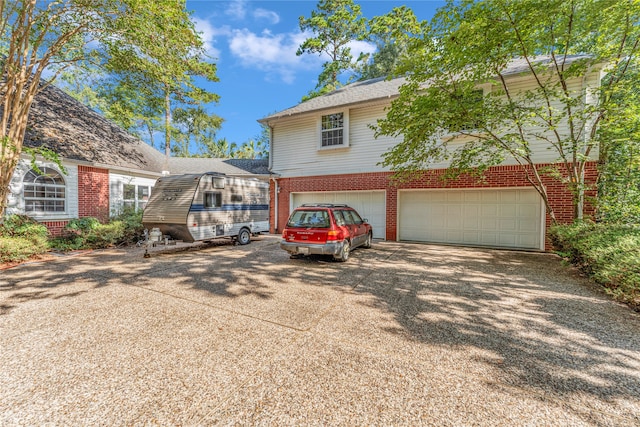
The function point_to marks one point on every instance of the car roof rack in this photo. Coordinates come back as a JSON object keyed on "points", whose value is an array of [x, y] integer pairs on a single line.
{"points": [[324, 205]]}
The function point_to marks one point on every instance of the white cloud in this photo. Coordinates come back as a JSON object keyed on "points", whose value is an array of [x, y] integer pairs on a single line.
{"points": [[237, 9], [358, 46], [275, 54], [208, 33], [268, 15]]}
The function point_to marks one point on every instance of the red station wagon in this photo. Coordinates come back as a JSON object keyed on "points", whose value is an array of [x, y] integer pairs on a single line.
{"points": [[325, 229]]}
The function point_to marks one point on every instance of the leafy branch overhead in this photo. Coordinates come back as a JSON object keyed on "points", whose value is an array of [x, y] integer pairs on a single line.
{"points": [[151, 45], [334, 29], [487, 48]]}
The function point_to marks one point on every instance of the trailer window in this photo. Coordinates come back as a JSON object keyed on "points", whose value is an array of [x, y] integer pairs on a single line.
{"points": [[236, 197], [217, 182], [212, 200]]}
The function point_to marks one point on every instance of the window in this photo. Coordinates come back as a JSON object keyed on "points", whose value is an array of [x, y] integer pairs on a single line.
{"points": [[348, 219], [143, 196], [333, 129], [236, 198], [212, 200], [305, 218], [217, 182], [129, 196], [44, 192], [135, 196]]}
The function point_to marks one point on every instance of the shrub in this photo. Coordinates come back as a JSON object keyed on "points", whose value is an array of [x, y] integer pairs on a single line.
{"points": [[17, 249], [21, 238], [132, 222], [610, 253], [89, 233]]}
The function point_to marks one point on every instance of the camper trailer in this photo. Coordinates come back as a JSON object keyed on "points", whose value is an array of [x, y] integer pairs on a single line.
{"points": [[207, 206]]}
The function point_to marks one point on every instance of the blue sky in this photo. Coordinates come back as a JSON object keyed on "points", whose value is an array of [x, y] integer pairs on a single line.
{"points": [[254, 45]]}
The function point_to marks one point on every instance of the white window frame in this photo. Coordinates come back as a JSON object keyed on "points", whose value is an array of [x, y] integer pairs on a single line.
{"points": [[137, 203], [345, 131], [46, 186]]}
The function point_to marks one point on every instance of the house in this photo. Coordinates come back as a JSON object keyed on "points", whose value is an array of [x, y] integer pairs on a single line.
{"points": [[324, 150], [105, 168]]}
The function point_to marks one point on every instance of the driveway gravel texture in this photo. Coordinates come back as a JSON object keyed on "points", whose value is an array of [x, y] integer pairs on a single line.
{"points": [[400, 335]]}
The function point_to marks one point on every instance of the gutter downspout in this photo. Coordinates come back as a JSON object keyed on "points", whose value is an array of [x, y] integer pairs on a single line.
{"points": [[274, 177]]}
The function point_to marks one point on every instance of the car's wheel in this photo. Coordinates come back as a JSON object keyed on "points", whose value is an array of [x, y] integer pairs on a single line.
{"points": [[244, 236], [344, 253], [367, 242]]}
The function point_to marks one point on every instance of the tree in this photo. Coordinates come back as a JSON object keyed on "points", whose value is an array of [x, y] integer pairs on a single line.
{"points": [[50, 36], [170, 61], [198, 127], [468, 46], [391, 34], [619, 177], [335, 24]]}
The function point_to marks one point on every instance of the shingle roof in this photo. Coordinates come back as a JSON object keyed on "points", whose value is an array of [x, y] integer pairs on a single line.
{"points": [[71, 129], [182, 165], [380, 88], [59, 122], [355, 93]]}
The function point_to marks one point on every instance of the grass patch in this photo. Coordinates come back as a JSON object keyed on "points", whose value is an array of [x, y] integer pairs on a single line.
{"points": [[609, 253]]}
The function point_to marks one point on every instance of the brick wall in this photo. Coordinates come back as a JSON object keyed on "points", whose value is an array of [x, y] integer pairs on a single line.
{"points": [[496, 177], [55, 227], [93, 193]]}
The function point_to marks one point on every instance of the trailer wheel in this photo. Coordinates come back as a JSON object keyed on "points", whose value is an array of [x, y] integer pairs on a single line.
{"points": [[244, 236]]}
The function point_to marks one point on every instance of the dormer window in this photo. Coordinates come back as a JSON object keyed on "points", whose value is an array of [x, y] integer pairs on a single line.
{"points": [[334, 130]]}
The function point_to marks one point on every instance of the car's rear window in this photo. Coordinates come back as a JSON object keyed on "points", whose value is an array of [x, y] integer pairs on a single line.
{"points": [[309, 218]]}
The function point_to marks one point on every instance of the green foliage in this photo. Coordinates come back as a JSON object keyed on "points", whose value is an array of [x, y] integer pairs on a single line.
{"points": [[469, 45], [610, 253], [21, 238], [17, 249], [391, 34], [335, 24], [131, 220], [195, 126], [89, 233], [619, 133], [150, 49]]}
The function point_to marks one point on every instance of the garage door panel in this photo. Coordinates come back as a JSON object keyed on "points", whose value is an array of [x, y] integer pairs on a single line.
{"points": [[498, 217], [369, 204]]}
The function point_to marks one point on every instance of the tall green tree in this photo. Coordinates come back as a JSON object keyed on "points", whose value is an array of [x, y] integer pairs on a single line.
{"points": [[619, 177], [466, 50], [197, 127], [391, 33], [334, 25], [38, 36], [166, 68]]}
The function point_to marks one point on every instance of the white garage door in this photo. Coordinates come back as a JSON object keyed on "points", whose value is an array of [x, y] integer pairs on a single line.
{"points": [[369, 204], [501, 218]]}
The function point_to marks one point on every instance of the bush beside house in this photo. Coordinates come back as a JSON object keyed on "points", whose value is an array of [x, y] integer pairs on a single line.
{"points": [[609, 253]]}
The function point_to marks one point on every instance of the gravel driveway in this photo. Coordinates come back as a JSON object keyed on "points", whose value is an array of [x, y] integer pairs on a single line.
{"points": [[401, 334]]}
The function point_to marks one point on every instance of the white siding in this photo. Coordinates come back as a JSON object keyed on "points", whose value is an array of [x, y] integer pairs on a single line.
{"points": [[295, 140], [116, 186], [15, 198], [295, 150]]}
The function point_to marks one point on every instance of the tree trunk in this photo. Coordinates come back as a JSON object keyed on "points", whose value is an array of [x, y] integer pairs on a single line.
{"points": [[6, 173], [167, 129]]}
